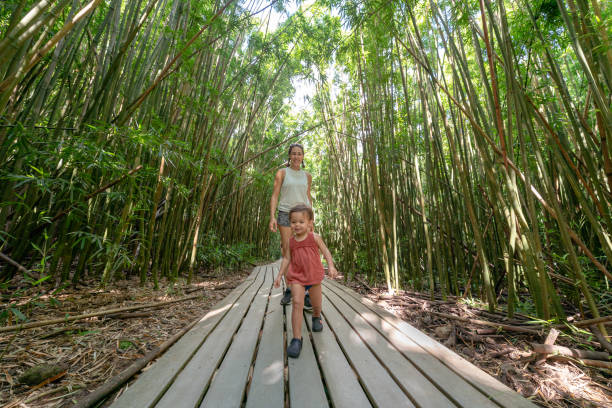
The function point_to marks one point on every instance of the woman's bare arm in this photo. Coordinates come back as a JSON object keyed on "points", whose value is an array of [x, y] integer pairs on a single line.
{"points": [[308, 192], [278, 182]]}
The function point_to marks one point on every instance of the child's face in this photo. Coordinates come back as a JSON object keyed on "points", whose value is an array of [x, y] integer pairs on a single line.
{"points": [[300, 223]]}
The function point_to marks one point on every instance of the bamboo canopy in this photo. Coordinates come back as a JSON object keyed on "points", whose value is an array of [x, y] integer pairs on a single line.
{"points": [[457, 147]]}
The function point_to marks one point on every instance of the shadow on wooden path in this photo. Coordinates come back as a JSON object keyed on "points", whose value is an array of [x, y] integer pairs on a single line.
{"points": [[364, 357]]}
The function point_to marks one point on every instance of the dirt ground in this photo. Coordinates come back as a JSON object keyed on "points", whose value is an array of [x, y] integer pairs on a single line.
{"points": [[86, 353]]}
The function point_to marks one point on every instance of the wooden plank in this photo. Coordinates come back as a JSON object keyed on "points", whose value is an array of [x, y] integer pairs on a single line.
{"points": [[446, 380], [151, 384], [305, 384], [267, 387], [190, 384], [409, 378], [228, 386], [342, 382], [488, 385], [382, 390]]}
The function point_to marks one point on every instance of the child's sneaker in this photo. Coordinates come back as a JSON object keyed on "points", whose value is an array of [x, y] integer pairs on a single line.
{"points": [[286, 297], [307, 304], [294, 348], [317, 326]]}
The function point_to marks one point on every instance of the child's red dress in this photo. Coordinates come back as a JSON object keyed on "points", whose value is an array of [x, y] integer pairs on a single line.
{"points": [[305, 267]]}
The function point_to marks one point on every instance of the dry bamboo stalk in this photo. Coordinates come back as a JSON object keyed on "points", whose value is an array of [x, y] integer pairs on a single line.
{"points": [[486, 323], [9, 260], [569, 352], [585, 362], [94, 314], [586, 323], [603, 342]]}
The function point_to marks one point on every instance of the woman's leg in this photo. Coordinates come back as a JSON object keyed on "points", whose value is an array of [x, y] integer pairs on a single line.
{"points": [[297, 310], [316, 298], [285, 235]]}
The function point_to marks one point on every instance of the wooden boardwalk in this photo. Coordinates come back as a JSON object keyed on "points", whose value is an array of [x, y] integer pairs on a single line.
{"points": [[364, 357]]}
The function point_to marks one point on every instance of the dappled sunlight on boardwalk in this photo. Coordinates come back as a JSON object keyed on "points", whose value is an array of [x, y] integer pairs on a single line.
{"points": [[215, 312], [273, 373]]}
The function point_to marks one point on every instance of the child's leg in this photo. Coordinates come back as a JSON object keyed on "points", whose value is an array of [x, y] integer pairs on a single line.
{"points": [[297, 298], [316, 298]]}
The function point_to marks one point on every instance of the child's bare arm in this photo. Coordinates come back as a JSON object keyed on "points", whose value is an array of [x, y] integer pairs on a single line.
{"points": [[284, 265], [327, 255]]}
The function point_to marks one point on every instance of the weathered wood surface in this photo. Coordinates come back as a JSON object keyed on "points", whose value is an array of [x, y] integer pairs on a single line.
{"points": [[364, 357]]}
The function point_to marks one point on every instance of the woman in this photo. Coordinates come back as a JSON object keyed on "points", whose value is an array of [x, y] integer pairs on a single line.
{"points": [[293, 185]]}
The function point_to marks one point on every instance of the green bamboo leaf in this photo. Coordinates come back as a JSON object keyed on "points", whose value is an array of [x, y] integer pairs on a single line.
{"points": [[18, 314]]}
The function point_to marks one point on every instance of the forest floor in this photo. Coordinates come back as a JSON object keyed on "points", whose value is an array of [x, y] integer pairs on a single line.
{"points": [[506, 355], [87, 353]]}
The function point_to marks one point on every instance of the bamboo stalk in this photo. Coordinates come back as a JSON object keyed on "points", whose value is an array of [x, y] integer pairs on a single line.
{"points": [[569, 352], [502, 326]]}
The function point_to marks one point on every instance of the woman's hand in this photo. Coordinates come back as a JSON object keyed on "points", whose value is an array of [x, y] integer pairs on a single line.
{"points": [[273, 226], [332, 272], [277, 281]]}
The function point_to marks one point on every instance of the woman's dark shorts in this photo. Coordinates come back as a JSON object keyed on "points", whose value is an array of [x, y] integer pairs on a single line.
{"points": [[283, 219]]}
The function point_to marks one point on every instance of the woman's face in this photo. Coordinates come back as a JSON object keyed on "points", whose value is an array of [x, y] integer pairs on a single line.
{"points": [[296, 155]]}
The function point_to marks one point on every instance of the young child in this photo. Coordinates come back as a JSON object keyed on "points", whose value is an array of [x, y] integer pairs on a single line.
{"points": [[305, 272]]}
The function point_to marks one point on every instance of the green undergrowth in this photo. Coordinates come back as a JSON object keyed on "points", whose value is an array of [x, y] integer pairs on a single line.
{"points": [[214, 254]]}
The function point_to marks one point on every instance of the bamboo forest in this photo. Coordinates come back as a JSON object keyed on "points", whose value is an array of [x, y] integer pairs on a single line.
{"points": [[458, 151]]}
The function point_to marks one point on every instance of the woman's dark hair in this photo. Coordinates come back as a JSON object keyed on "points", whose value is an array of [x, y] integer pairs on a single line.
{"points": [[303, 208], [291, 146]]}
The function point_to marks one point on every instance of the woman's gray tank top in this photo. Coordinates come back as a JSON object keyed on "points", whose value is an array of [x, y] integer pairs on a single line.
{"points": [[294, 189]]}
